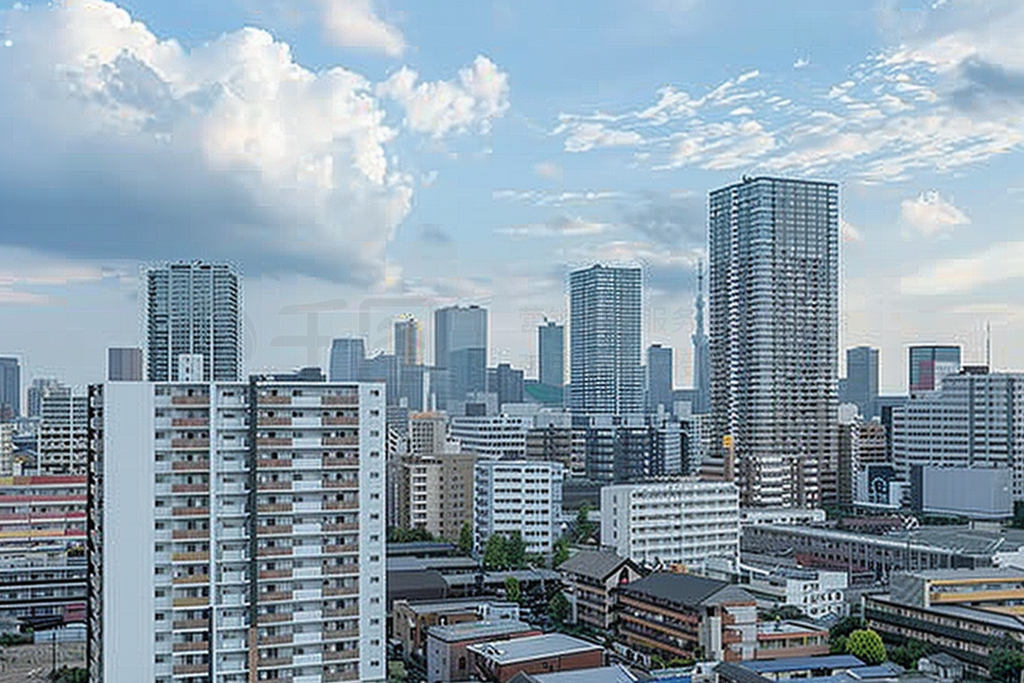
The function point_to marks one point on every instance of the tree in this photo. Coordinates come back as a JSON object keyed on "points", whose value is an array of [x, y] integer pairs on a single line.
{"points": [[495, 554], [515, 551], [513, 592], [584, 528], [559, 608], [1005, 660], [907, 654], [839, 632], [466, 539], [416, 535], [66, 675], [561, 553], [866, 645]]}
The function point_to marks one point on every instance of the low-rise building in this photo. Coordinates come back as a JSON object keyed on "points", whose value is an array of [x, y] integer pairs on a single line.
{"points": [[674, 520], [500, 661], [604, 674], [447, 655], [589, 578], [783, 516], [786, 639], [682, 616], [818, 594], [410, 620]]}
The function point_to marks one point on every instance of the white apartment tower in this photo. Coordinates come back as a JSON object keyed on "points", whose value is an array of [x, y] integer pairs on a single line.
{"points": [[774, 312], [518, 496], [236, 532], [63, 432], [194, 308], [680, 520]]}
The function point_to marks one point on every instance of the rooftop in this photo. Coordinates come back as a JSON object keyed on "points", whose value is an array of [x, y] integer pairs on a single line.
{"points": [[687, 589], [442, 606], [604, 674], [533, 647], [787, 627], [474, 630], [962, 574], [593, 564], [788, 664]]}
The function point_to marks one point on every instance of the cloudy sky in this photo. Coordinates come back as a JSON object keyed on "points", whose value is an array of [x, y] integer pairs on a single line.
{"points": [[366, 158]]}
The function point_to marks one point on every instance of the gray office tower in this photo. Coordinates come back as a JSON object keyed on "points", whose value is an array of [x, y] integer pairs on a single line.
{"points": [[774, 290], [460, 348], [929, 365], [551, 354], [605, 340], [701, 353], [407, 341], [862, 380], [125, 365], [659, 378], [347, 359], [10, 388], [194, 309]]}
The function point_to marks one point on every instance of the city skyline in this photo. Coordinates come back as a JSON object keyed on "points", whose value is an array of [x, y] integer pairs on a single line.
{"points": [[614, 152]]}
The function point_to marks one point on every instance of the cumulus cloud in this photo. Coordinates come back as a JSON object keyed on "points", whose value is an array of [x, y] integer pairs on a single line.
{"points": [[355, 23], [561, 226], [849, 232], [121, 144], [998, 263], [671, 221], [436, 109], [929, 214]]}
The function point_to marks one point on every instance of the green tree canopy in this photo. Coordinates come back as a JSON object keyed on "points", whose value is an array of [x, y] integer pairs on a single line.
{"points": [[559, 608], [513, 592], [466, 539], [866, 645], [495, 554], [909, 653], [515, 551], [561, 553]]}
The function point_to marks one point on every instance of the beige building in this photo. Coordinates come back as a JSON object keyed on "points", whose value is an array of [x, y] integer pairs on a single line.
{"points": [[436, 493], [428, 433]]}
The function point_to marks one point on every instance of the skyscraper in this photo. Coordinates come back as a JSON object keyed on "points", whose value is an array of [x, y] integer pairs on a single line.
{"points": [[194, 308], [125, 365], [701, 353], [551, 353], [10, 388], [347, 358], [407, 341], [929, 365], [862, 380], [460, 347], [659, 377], [605, 340], [774, 289], [236, 532]]}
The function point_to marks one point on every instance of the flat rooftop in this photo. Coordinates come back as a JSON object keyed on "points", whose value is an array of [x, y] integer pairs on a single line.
{"points": [[534, 647], [787, 628], [474, 630], [788, 664], [442, 606]]}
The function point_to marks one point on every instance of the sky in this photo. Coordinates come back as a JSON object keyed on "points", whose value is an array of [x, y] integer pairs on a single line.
{"points": [[362, 159]]}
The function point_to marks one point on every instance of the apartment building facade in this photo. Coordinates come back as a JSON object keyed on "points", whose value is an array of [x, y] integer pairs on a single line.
{"points": [[518, 496]]}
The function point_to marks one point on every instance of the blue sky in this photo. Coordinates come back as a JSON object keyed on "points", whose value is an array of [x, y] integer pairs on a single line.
{"points": [[367, 158]]}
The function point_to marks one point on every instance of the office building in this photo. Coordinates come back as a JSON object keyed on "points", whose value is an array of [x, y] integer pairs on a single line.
{"points": [[974, 420], [984, 493], [497, 436], [63, 433], [628, 448], [551, 353], [928, 365], [683, 616], [553, 438], [383, 367], [701, 353], [436, 493], [862, 380], [774, 293], [428, 433], [125, 365], [460, 347], [605, 340], [518, 496], [677, 520], [506, 383], [659, 378], [194, 308], [10, 388], [40, 388], [236, 532], [347, 358], [407, 341]]}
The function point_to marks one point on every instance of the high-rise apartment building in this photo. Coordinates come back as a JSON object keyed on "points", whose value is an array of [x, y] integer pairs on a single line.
{"points": [[862, 380], [674, 520], [518, 496], [701, 353], [125, 365], [974, 420], [10, 388], [605, 340], [38, 390], [436, 493], [347, 359], [659, 378], [63, 433], [774, 290], [236, 532], [407, 341], [460, 348], [928, 365], [551, 354], [194, 308]]}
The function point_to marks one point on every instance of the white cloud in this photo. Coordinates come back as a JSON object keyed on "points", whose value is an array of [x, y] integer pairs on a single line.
{"points": [[849, 232], [228, 150], [442, 107], [998, 263], [929, 214], [548, 170], [562, 226], [355, 23], [801, 62], [585, 136]]}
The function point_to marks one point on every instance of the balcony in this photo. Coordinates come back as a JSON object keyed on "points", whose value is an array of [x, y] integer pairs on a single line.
{"points": [[191, 625], [190, 422], [339, 400], [190, 444], [273, 442], [329, 462], [274, 463], [273, 507], [274, 421], [342, 505], [340, 441], [191, 602], [186, 558], [335, 528], [274, 530], [190, 512], [190, 466], [275, 596], [345, 420], [185, 669], [190, 488], [275, 400], [273, 552], [276, 574], [190, 400], [343, 655], [274, 486], [198, 646], [335, 613], [341, 484], [190, 579]]}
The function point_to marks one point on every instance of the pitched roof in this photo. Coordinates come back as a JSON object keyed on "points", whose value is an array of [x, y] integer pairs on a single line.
{"points": [[687, 589], [790, 664], [734, 673], [605, 674], [593, 564]]}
